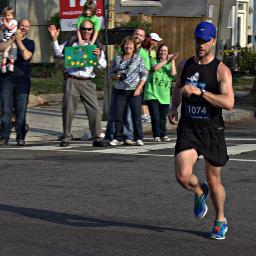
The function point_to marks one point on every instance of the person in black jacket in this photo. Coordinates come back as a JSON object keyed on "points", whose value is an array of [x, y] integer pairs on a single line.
{"points": [[15, 87]]}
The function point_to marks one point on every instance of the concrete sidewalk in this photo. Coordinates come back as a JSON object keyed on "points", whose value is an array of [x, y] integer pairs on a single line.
{"points": [[46, 122]]}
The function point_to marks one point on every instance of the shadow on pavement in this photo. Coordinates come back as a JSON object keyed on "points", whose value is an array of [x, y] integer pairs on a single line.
{"points": [[87, 222]]}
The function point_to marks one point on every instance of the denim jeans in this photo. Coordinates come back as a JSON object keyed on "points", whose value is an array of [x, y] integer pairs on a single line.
{"points": [[158, 114], [127, 121], [123, 99], [14, 94]]}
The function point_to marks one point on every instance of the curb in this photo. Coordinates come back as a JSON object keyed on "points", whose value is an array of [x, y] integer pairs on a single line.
{"points": [[44, 99], [238, 115]]}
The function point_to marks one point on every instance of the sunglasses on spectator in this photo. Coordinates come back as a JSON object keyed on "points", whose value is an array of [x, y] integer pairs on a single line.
{"points": [[84, 29]]}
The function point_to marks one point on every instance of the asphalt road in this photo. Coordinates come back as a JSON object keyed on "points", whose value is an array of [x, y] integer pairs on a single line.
{"points": [[120, 201]]}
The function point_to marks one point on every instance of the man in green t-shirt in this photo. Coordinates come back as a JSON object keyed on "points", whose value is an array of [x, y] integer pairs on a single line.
{"points": [[139, 35]]}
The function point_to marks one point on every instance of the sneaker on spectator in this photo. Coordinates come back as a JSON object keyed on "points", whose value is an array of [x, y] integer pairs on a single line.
{"points": [[219, 230], [166, 139], [200, 207], [129, 142], [139, 143], [146, 118], [99, 142], [102, 135], [64, 143], [21, 143], [61, 136], [11, 67], [157, 139], [115, 143], [4, 69], [3, 142]]}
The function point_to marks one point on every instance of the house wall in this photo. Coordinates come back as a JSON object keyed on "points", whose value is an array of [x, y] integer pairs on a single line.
{"points": [[175, 20], [39, 13], [174, 8], [178, 33]]}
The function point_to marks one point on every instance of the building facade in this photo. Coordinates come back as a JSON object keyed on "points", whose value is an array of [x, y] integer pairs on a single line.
{"points": [[39, 13], [173, 20]]}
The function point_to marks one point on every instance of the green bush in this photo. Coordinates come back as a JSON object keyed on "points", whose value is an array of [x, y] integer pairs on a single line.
{"points": [[43, 70], [136, 23], [55, 20], [242, 60], [247, 61]]}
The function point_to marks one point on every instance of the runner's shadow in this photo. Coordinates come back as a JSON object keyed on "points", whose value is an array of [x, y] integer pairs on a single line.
{"points": [[87, 222]]}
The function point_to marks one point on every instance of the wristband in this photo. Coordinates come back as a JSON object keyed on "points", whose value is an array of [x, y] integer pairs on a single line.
{"points": [[202, 92]]}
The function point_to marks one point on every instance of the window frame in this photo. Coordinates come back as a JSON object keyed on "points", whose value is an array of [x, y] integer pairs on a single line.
{"points": [[140, 3]]}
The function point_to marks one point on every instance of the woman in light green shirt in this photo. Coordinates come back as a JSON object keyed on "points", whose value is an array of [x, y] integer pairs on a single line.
{"points": [[158, 90]]}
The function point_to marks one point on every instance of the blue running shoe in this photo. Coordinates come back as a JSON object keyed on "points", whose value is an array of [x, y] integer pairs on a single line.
{"points": [[200, 207], [219, 230]]}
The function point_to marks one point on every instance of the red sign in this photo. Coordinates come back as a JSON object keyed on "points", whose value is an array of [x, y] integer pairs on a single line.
{"points": [[70, 9]]}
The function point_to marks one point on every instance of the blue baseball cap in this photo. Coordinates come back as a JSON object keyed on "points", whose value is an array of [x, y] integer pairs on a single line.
{"points": [[205, 30]]}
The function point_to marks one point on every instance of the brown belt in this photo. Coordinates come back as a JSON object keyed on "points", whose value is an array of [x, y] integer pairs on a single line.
{"points": [[76, 77]]}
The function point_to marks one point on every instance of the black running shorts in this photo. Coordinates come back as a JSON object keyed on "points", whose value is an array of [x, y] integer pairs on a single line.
{"points": [[211, 146]]}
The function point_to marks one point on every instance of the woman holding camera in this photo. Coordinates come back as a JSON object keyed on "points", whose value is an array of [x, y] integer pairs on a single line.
{"points": [[129, 73], [158, 91]]}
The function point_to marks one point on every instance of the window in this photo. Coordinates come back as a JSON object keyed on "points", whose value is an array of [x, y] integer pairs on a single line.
{"points": [[134, 3], [3, 4]]}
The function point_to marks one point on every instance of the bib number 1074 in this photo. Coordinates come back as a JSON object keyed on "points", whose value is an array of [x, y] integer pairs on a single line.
{"points": [[197, 112]]}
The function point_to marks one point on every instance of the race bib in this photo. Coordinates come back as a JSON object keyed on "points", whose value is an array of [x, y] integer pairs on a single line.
{"points": [[197, 111]]}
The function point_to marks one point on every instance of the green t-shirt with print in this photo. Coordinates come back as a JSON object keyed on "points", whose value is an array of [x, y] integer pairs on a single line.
{"points": [[93, 19], [159, 84], [152, 53], [145, 56]]}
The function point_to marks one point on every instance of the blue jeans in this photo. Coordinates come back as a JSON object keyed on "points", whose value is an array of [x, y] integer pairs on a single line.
{"points": [[158, 114], [126, 98], [127, 121], [14, 93]]}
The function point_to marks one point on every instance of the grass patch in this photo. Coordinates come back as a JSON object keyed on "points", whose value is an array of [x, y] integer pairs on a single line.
{"points": [[46, 85]]}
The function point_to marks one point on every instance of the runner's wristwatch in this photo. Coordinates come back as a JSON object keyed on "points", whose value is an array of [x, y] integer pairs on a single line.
{"points": [[202, 92]]}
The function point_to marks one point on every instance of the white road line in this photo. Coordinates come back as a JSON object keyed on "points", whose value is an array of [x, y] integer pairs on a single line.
{"points": [[242, 148], [135, 149], [146, 150], [137, 154], [242, 160], [240, 138]]}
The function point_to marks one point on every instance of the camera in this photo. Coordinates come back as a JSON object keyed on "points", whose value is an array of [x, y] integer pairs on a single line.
{"points": [[122, 76]]}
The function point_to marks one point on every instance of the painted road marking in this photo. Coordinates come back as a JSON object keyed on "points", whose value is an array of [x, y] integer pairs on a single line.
{"points": [[242, 148]]}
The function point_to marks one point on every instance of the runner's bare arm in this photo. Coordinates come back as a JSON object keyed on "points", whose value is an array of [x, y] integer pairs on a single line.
{"points": [[225, 99]]}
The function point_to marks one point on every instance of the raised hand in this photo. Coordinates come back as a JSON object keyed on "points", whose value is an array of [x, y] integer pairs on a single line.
{"points": [[54, 32]]}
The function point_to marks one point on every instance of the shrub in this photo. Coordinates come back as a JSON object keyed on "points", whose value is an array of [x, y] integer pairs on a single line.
{"points": [[241, 60], [247, 61], [55, 19], [136, 23]]}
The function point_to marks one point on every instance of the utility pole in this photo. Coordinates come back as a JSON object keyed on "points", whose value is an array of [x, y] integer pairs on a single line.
{"points": [[106, 97], [109, 7], [219, 46]]}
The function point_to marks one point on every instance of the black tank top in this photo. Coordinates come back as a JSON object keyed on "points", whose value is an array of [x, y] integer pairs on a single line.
{"points": [[197, 115]]}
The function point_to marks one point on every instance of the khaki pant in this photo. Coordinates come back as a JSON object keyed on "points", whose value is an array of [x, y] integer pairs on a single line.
{"points": [[74, 90], [10, 52]]}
